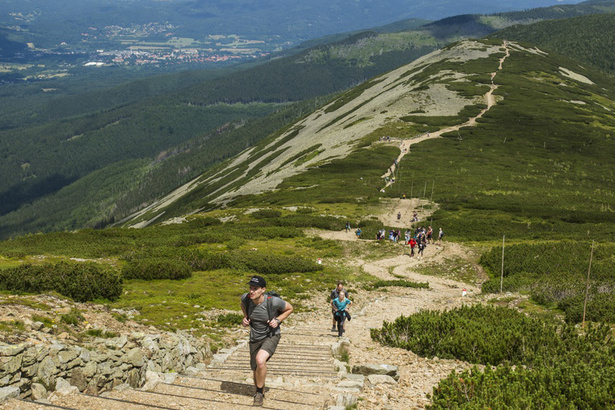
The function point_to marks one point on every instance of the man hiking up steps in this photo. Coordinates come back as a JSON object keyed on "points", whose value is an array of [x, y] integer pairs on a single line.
{"points": [[263, 313]]}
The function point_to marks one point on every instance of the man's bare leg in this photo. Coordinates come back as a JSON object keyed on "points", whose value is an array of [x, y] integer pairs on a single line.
{"points": [[260, 374]]}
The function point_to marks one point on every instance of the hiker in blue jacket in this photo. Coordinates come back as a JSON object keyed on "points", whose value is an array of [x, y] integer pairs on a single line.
{"points": [[263, 313], [341, 304]]}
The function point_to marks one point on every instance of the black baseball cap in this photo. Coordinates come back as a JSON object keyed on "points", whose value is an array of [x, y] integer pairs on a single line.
{"points": [[258, 281]]}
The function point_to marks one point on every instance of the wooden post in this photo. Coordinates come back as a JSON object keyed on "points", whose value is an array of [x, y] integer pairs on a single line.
{"points": [[502, 275], [591, 256], [398, 169], [433, 184]]}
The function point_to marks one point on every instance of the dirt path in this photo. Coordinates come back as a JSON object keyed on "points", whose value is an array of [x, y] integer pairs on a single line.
{"points": [[418, 375], [406, 144]]}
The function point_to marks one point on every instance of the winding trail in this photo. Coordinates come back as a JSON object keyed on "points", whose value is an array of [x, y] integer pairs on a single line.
{"points": [[418, 375], [406, 144]]}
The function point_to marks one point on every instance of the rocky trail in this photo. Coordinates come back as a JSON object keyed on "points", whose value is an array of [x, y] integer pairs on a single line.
{"points": [[306, 371], [406, 144]]}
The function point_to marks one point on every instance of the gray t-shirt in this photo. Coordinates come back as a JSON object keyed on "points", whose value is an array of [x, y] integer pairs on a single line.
{"points": [[258, 315]]}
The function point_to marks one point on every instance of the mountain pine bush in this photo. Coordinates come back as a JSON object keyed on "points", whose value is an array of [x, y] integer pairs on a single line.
{"points": [[150, 269], [539, 365], [555, 273], [80, 281]]}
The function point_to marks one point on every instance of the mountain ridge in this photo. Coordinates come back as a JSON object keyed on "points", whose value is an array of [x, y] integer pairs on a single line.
{"points": [[331, 132], [308, 74]]}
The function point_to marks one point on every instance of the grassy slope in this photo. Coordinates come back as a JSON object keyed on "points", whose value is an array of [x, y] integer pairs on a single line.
{"points": [[537, 166]]}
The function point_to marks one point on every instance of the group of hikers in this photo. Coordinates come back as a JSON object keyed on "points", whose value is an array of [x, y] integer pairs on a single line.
{"points": [[264, 312], [422, 237]]}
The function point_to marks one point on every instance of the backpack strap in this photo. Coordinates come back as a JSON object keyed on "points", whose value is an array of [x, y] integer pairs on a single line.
{"points": [[246, 306], [270, 314], [269, 307]]}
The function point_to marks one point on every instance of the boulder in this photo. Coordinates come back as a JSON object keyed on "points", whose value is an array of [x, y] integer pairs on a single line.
{"points": [[10, 364], [66, 356], [78, 379], [383, 369], [133, 378], [375, 379], [8, 393], [89, 369], [11, 350], [151, 380], [47, 370], [117, 343], [39, 392], [64, 388], [346, 400], [136, 357]]}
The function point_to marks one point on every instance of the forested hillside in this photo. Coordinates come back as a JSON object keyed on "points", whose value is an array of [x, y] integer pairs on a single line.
{"points": [[582, 38]]}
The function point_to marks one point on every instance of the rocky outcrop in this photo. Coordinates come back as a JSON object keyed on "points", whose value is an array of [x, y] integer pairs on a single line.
{"points": [[29, 370]]}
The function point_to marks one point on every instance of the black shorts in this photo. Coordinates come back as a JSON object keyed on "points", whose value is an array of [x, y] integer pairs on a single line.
{"points": [[268, 344]]}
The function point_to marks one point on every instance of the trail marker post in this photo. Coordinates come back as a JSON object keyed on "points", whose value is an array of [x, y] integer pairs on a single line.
{"points": [[502, 275], [591, 257]]}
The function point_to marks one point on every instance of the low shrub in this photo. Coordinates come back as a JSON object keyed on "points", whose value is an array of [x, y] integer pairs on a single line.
{"points": [[270, 232], [401, 283], [206, 221], [265, 263], [218, 236], [539, 364], [80, 281], [555, 274], [477, 334], [200, 260], [150, 269], [310, 221], [266, 213], [570, 386], [74, 317]]}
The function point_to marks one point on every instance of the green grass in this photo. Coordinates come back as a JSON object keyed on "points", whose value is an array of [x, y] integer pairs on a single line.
{"points": [[25, 301], [454, 268]]}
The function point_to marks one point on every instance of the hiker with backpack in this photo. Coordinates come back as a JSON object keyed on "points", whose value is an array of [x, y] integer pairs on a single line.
{"points": [[335, 293], [412, 244], [422, 242], [341, 304], [264, 313]]}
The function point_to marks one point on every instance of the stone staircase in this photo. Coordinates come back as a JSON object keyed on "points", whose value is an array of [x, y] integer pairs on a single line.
{"points": [[303, 374]]}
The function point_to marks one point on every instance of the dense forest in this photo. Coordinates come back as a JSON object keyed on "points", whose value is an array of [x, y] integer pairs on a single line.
{"points": [[582, 38]]}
